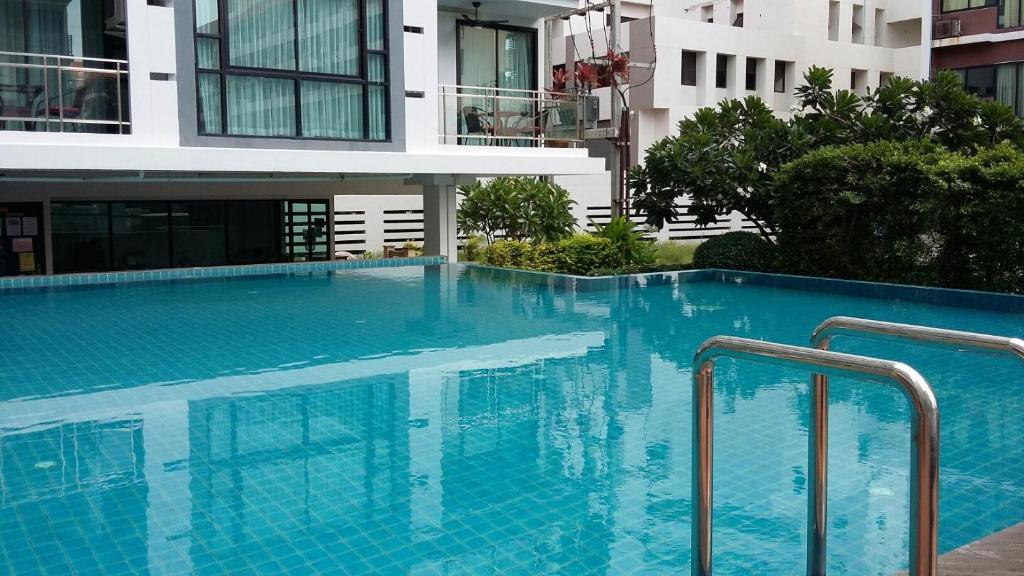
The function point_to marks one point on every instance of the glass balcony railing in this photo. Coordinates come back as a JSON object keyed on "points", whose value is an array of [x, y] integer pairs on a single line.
{"points": [[50, 93], [484, 116]]}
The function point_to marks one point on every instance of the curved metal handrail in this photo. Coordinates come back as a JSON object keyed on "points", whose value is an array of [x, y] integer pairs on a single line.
{"points": [[845, 325], [937, 336], [924, 473]]}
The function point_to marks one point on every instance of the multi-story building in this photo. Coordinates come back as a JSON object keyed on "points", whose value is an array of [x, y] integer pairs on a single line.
{"points": [[695, 53], [983, 41], [141, 135]]}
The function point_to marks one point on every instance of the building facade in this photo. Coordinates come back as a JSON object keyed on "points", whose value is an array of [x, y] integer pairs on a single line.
{"points": [[983, 41], [144, 135], [689, 54]]}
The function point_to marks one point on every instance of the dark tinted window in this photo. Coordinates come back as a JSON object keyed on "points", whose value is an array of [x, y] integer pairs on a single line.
{"points": [[689, 68], [81, 237], [751, 74], [780, 76], [722, 71]]}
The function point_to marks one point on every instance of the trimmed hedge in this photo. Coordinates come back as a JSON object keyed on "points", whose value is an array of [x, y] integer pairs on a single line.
{"points": [[911, 213], [581, 255], [736, 251]]}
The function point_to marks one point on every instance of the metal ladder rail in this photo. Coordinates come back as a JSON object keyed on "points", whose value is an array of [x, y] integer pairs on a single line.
{"points": [[924, 479], [818, 439]]}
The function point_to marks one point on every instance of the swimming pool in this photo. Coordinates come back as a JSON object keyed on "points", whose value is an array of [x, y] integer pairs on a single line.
{"points": [[456, 420]]}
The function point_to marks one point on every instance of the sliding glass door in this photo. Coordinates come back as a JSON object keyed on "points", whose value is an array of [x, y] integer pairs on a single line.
{"points": [[496, 64]]}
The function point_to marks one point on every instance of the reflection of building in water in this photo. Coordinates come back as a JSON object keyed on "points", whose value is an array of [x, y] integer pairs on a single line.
{"points": [[83, 484], [323, 464]]}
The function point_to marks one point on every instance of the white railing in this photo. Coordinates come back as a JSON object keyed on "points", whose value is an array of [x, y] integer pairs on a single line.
{"points": [[53, 93], [487, 116]]}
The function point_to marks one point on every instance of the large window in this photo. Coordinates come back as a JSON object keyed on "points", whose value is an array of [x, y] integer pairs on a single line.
{"points": [[1003, 83], [293, 68], [954, 5], [84, 91], [101, 236], [1009, 13]]}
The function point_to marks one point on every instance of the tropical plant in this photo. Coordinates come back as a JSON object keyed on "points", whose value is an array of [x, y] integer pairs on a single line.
{"points": [[630, 245], [516, 208]]}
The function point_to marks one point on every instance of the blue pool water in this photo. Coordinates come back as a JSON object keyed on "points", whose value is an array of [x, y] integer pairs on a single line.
{"points": [[463, 421]]}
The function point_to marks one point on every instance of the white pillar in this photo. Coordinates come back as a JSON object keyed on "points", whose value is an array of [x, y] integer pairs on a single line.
{"points": [[440, 236]]}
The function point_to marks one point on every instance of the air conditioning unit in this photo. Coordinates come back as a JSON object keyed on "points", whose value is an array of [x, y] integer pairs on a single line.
{"points": [[947, 29]]}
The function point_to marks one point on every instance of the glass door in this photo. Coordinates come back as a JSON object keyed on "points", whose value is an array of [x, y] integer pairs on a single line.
{"points": [[497, 65]]}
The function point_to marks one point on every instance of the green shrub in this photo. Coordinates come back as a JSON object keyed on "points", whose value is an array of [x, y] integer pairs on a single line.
{"points": [[979, 221], [736, 251], [581, 255], [511, 254], [669, 254], [909, 213], [631, 248], [474, 250], [861, 211]]}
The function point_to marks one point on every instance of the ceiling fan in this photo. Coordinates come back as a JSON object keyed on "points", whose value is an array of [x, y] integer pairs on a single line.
{"points": [[476, 21]]}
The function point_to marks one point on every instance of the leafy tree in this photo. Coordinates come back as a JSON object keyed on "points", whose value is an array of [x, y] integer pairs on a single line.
{"points": [[723, 158], [516, 208], [726, 158]]}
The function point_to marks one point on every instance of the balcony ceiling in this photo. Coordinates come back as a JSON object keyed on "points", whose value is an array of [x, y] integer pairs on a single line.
{"points": [[499, 9]]}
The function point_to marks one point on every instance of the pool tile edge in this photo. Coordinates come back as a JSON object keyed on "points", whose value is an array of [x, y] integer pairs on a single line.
{"points": [[21, 283]]}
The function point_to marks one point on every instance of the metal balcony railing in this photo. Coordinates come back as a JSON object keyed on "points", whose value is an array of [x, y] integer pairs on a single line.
{"points": [[487, 116], [52, 93]]}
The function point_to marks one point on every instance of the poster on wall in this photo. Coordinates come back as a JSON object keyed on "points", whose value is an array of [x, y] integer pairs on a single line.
{"points": [[21, 245], [30, 226], [13, 225], [27, 262]]}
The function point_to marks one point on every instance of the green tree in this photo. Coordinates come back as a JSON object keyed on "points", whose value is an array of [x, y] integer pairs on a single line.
{"points": [[726, 158], [516, 208]]}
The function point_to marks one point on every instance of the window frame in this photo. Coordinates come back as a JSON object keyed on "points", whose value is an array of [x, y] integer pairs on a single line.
{"points": [[999, 13], [683, 70], [722, 71], [785, 77], [986, 4], [749, 74], [296, 75]]}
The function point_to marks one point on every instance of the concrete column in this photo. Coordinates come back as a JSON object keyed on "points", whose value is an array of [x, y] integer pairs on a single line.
{"points": [[737, 82], [706, 79], [440, 236], [47, 231], [846, 22], [766, 81]]}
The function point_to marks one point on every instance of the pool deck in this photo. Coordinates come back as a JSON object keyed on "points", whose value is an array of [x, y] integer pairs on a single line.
{"points": [[1001, 554]]}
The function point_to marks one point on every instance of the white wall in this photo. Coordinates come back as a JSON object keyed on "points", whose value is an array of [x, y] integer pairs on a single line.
{"points": [[793, 31]]}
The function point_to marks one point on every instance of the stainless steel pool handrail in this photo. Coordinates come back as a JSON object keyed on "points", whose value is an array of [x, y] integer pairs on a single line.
{"points": [[924, 458], [845, 325], [822, 340]]}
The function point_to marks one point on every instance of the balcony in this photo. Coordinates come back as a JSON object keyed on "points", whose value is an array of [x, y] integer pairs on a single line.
{"points": [[52, 93], [485, 116]]}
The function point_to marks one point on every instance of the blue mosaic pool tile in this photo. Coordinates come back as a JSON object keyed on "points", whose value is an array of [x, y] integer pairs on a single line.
{"points": [[461, 420], [20, 283]]}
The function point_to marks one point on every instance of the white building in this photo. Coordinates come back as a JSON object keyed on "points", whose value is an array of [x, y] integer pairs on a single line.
{"points": [[139, 135], [691, 54]]}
